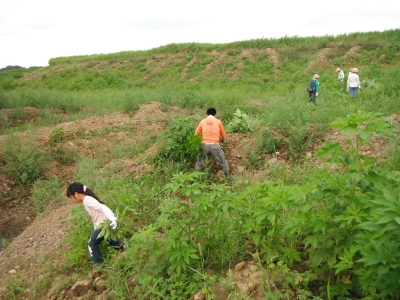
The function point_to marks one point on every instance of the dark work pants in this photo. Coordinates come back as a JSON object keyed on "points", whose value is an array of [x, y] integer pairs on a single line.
{"points": [[216, 151], [94, 248], [313, 96]]}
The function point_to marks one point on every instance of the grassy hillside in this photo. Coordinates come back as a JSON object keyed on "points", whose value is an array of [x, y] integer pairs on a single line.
{"points": [[313, 212], [261, 64]]}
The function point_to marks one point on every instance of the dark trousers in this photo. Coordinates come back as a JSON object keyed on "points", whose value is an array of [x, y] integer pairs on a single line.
{"points": [[94, 248], [313, 96], [216, 151]]}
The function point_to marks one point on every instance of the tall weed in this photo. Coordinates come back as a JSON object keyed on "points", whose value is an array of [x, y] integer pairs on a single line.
{"points": [[46, 193], [180, 143], [25, 162]]}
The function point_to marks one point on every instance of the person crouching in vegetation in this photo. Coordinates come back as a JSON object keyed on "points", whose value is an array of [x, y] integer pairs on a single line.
{"points": [[212, 130], [353, 82], [99, 213]]}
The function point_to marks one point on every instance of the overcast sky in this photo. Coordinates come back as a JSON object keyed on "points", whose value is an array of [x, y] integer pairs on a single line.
{"points": [[34, 31]]}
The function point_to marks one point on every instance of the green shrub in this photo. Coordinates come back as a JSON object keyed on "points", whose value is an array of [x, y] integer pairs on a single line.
{"points": [[240, 123], [268, 141], [181, 144], [56, 136], [363, 203], [23, 160], [64, 156]]}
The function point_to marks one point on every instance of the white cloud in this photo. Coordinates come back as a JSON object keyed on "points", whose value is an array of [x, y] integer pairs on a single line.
{"points": [[32, 32]]}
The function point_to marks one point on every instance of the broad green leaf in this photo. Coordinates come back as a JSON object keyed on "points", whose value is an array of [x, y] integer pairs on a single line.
{"points": [[385, 219], [391, 226], [256, 238]]}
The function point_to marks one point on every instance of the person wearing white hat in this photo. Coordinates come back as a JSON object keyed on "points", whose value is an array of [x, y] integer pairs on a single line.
{"points": [[340, 73], [353, 82], [312, 88]]}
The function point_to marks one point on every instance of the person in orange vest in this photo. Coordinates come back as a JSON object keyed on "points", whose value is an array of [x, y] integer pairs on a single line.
{"points": [[213, 130]]}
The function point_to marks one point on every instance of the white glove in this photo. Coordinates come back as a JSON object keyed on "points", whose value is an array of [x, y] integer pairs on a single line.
{"points": [[113, 223], [316, 94]]}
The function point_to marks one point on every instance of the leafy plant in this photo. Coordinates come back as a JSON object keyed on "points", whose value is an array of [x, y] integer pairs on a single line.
{"points": [[366, 210], [56, 136], [240, 123], [180, 142], [107, 232]]}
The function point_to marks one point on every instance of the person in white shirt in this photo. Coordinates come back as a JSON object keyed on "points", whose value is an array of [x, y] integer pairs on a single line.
{"points": [[99, 213], [340, 73], [353, 82]]}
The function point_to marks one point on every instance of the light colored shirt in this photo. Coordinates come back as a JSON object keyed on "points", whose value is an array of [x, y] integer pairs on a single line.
{"points": [[341, 75], [212, 130], [353, 80], [97, 211]]}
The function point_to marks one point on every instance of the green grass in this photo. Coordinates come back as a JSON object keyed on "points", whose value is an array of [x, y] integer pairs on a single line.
{"points": [[190, 221]]}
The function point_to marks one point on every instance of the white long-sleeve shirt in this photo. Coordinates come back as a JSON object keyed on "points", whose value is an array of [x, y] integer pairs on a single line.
{"points": [[97, 211], [353, 80], [341, 75]]}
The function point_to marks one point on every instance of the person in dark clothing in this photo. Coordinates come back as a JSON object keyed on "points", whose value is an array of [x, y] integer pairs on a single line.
{"points": [[313, 95]]}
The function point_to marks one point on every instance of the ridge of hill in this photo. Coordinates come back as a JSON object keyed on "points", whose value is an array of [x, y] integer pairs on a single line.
{"points": [[261, 62]]}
